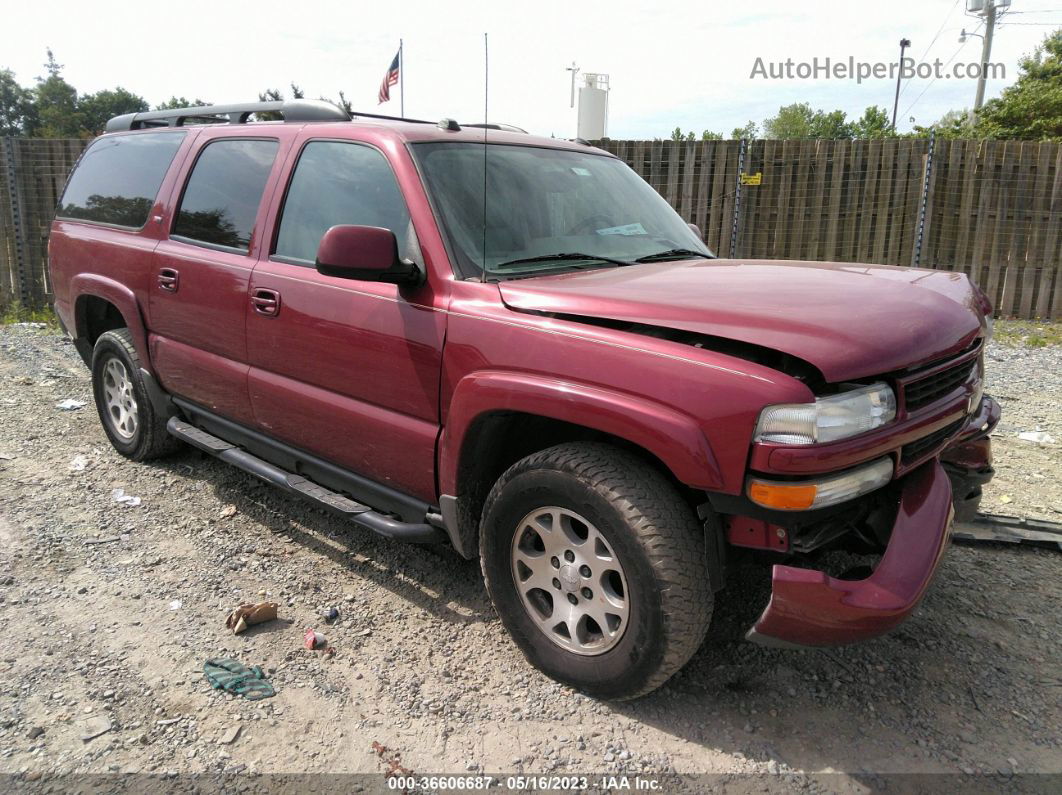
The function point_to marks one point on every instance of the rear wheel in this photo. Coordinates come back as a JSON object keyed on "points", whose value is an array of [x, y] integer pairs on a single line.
{"points": [[597, 568], [128, 417]]}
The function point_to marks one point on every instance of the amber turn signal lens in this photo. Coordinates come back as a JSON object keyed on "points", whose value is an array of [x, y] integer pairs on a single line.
{"points": [[783, 496]]}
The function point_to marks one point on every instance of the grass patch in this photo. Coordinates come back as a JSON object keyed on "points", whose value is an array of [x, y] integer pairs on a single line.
{"points": [[15, 312], [1030, 333]]}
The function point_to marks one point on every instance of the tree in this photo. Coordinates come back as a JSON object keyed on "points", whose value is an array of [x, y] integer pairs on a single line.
{"points": [[708, 135], [56, 104], [799, 122], [96, 109], [173, 103], [874, 123], [832, 125], [953, 124], [1031, 108], [749, 132], [16, 105]]}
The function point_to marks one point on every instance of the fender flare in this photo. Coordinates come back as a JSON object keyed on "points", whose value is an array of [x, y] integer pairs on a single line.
{"points": [[116, 293], [672, 436]]}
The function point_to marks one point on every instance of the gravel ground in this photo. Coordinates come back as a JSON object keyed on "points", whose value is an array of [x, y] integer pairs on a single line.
{"points": [[108, 611]]}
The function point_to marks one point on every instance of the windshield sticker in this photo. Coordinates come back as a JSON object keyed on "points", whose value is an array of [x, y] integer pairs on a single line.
{"points": [[628, 229], [582, 172]]}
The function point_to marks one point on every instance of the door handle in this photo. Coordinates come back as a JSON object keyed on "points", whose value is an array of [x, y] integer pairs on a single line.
{"points": [[168, 280], [266, 302]]}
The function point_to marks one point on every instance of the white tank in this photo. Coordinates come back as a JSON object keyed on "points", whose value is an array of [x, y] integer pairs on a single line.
{"points": [[593, 107]]}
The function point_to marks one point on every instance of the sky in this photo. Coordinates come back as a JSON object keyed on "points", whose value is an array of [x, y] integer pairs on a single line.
{"points": [[682, 64]]}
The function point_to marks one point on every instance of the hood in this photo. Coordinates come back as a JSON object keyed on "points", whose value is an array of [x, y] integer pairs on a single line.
{"points": [[848, 320]]}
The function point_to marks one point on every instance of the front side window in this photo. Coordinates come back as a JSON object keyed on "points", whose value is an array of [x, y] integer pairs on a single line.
{"points": [[541, 202], [338, 183], [118, 178], [221, 199]]}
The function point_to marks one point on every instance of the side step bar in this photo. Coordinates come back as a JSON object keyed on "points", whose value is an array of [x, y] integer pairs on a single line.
{"points": [[360, 514]]}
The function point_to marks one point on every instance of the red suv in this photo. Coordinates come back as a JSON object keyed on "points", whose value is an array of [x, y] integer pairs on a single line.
{"points": [[449, 333]]}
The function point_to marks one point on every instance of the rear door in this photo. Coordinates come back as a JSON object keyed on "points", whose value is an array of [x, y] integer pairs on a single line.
{"points": [[201, 274], [346, 369]]}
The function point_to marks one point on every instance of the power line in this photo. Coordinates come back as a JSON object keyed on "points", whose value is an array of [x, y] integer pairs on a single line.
{"points": [[931, 82]]}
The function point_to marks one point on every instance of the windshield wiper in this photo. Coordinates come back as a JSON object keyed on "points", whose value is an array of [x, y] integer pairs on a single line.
{"points": [[674, 253], [560, 257]]}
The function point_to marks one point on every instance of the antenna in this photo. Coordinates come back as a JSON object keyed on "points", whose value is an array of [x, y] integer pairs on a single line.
{"points": [[486, 125]]}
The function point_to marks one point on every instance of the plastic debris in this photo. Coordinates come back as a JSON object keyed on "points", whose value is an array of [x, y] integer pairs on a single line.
{"points": [[128, 500], [79, 463], [314, 640], [247, 615], [330, 614], [176, 604], [1039, 437], [70, 404]]}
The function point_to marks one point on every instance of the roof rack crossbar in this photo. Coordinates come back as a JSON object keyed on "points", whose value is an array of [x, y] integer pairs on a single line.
{"points": [[293, 110]]}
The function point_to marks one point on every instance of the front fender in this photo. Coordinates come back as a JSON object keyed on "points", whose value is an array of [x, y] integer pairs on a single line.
{"points": [[93, 284], [673, 437]]}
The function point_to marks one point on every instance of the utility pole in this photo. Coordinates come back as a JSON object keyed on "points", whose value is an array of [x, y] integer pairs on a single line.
{"points": [[574, 70], [989, 13], [904, 44]]}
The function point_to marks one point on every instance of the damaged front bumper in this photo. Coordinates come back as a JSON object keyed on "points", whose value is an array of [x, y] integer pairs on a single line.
{"points": [[810, 608]]}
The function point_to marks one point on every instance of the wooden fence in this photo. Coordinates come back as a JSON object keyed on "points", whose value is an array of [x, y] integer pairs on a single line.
{"points": [[991, 209]]}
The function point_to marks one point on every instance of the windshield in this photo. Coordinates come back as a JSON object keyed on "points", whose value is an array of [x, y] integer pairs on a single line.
{"points": [[543, 202]]}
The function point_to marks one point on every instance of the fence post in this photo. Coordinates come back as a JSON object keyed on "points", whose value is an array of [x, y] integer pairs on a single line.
{"points": [[737, 200], [916, 258], [8, 154]]}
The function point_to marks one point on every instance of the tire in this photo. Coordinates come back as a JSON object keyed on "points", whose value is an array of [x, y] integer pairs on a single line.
{"points": [[640, 525], [125, 410]]}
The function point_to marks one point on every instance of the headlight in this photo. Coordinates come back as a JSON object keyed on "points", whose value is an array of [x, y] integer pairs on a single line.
{"points": [[828, 419], [807, 495]]}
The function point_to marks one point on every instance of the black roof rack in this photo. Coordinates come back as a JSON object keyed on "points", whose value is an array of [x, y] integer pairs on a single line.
{"points": [[293, 110]]}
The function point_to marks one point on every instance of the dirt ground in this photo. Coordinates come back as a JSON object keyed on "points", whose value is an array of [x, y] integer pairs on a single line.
{"points": [[108, 611]]}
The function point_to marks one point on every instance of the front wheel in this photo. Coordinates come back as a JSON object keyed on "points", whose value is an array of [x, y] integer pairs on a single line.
{"points": [[597, 568]]}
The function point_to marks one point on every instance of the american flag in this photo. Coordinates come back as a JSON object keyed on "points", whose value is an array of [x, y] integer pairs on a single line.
{"points": [[390, 79]]}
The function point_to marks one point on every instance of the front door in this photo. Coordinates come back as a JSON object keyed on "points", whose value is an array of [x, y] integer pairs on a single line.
{"points": [[347, 370], [198, 298]]}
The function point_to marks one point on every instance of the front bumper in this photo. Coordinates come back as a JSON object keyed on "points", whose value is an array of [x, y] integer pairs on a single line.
{"points": [[810, 608]]}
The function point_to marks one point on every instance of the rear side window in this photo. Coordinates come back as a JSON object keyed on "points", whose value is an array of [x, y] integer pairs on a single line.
{"points": [[341, 183], [221, 199], [118, 178]]}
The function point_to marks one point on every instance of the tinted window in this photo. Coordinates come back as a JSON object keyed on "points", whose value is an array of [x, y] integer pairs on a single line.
{"points": [[341, 183], [118, 178], [222, 196]]}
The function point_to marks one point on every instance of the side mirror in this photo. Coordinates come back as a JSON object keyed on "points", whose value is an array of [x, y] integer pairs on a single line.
{"points": [[697, 231], [368, 253]]}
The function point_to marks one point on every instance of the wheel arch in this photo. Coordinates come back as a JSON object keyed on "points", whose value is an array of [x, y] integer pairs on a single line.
{"points": [[495, 419], [103, 304]]}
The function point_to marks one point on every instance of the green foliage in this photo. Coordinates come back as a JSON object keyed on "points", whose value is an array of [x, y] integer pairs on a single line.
{"points": [[1031, 108], [15, 312], [96, 109], [800, 122], [874, 123], [53, 109], [56, 104], [706, 135], [749, 132], [16, 105], [180, 102]]}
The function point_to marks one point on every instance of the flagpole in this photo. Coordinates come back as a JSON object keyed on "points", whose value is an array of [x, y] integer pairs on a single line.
{"points": [[402, 81]]}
